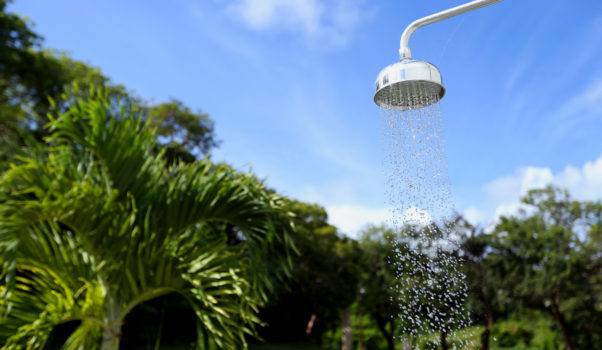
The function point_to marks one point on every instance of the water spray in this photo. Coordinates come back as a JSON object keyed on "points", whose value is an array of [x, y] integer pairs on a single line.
{"points": [[432, 289]]}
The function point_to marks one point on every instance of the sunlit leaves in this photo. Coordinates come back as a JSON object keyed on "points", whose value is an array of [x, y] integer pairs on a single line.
{"points": [[97, 223]]}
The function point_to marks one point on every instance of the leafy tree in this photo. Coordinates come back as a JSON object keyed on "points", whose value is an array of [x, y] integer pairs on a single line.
{"points": [[548, 263], [185, 133], [483, 278], [379, 280], [178, 125], [26, 77], [30, 77], [95, 224], [323, 279]]}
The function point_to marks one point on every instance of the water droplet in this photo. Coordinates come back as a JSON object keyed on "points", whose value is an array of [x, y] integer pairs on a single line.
{"points": [[432, 294]]}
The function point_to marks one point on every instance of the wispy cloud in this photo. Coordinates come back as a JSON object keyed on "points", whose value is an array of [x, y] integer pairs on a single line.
{"points": [[526, 85], [474, 214], [504, 193], [572, 116], [329, 24], [589, 99]]}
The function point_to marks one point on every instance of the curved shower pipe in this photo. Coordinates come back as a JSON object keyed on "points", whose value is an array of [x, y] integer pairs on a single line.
{"points": [[404, 50]]}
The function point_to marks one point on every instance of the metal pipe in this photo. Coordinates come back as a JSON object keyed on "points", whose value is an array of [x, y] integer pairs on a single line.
{"points": [[404, 50]]}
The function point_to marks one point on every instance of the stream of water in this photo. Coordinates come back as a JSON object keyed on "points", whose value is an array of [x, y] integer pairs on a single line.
{"points": [[431, 289]]}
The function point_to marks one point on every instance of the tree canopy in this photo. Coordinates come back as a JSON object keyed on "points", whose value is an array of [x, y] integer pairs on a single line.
{"points": [[35, 82], [97, 223]]}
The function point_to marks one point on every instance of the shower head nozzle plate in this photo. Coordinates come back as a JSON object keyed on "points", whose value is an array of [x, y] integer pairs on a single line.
{"points": [[408, 84]]}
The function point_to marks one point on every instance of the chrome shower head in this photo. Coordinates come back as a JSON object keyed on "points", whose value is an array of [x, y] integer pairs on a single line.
{"points": [[411, 84], [408, 84]]}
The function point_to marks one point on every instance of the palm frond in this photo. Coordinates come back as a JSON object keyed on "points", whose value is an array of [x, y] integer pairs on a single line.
{"points": [[98, 223]]}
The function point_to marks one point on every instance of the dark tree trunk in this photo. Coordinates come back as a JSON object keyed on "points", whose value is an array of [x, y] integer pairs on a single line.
{"points": [[444, 340], [562, 323], [487, 332], [360, 319], [390, 342], [388, 335]]}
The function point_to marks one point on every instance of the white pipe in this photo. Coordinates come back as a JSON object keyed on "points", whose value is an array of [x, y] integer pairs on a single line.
{"points": [[404, 50]]}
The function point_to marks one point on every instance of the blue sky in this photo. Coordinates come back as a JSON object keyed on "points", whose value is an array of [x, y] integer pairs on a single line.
{"points": [[289, 84]]}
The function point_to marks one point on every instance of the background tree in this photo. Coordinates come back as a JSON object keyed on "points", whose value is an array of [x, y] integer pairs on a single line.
{"points": [[380, 281], [322, 284], [546, 262], [482, 278], [178, 125], [26, 77], [31, 77]]}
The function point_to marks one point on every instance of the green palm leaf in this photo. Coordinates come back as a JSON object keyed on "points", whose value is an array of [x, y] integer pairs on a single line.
{"points": [[98, 223]]}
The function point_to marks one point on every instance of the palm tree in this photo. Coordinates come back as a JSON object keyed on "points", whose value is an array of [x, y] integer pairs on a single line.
{"points": [[95, 223]]}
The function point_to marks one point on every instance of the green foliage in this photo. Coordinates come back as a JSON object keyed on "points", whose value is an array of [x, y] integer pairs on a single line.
{"points": [[466, 338], [363, 327], [26, 78], [546, 263], [96, 224], [379, 280], [545, 260], [532, 331], [179, 125], [31, 78], [534, 281], [323, 279]]}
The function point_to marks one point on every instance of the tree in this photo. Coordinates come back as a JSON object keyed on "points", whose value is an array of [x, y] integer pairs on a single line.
{"points": [[323, 279], [379, 280], [185, 133], [26, 77], [547, 262], [95, 224], [31, 77], [482, 277], [178, 125]]}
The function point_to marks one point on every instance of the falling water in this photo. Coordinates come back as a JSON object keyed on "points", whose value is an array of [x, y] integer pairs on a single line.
{"points": [[431, 289]]}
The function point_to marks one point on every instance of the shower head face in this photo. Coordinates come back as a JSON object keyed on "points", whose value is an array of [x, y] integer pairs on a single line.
{"points": [[408, 84]]}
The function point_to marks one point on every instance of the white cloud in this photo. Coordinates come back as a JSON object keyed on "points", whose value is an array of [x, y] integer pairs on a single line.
{"points": [[331, 193], [327, 23], [584, 183], [261, 14], [474, 215], [350, 219], [502, 197], [504, 193]]}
